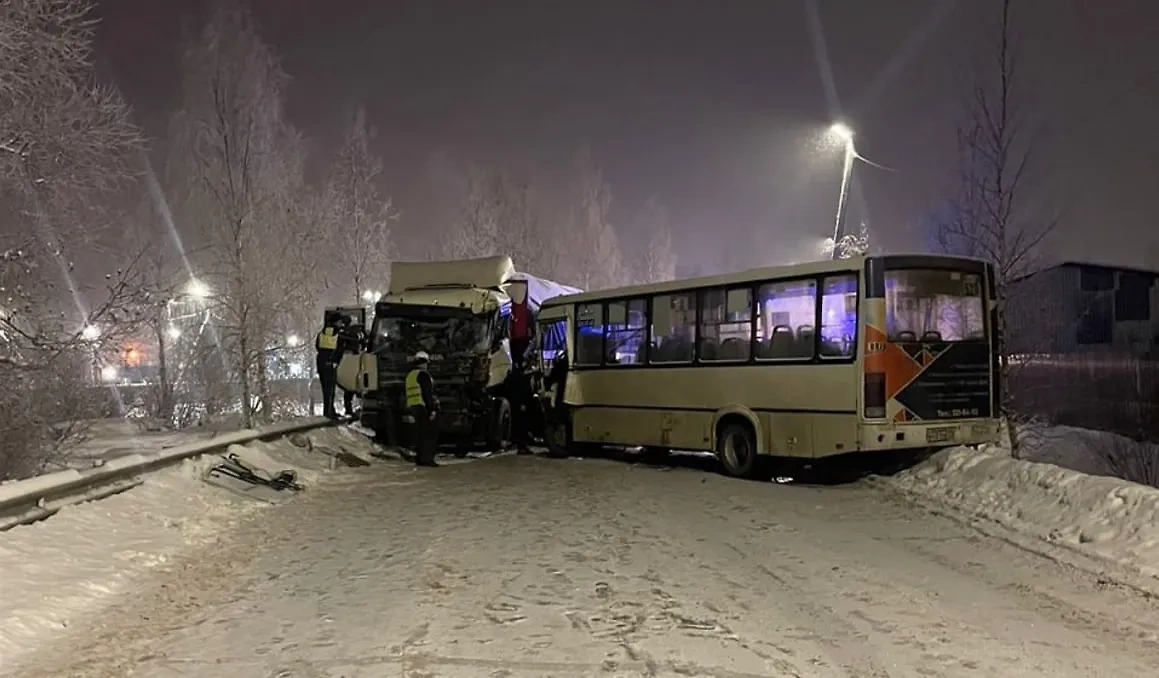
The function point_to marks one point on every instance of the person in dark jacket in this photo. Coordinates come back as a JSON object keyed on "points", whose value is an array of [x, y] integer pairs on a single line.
{"points": [[423, 407], [326, 362], [350, 340], [556, 377]]}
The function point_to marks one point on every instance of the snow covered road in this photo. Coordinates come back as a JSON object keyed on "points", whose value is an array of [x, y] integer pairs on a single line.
{"points": [[529, 567]]}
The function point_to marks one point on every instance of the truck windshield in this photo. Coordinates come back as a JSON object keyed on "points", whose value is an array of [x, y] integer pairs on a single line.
{"points": [[932, 305], [408, 334]]}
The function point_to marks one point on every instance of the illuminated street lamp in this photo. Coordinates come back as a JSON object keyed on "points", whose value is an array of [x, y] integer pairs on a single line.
{"points": [[90, 333], [173, 332], [371, 296], [293, 341], [108, 373], [197, 289]]}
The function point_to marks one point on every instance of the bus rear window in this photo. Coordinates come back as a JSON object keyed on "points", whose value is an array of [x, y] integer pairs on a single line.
{"points": [[934, 305]]}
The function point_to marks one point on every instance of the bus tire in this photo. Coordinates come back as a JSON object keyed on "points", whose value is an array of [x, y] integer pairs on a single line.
{"points": [[737, 450], [557, 438], [499, 426]]}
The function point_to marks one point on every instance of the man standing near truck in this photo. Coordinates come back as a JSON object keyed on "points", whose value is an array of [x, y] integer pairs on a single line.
{"points": [[326, 362], [423, 407]]}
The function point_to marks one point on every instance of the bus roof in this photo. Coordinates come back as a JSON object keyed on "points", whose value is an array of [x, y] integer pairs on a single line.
{"points": [[855, 263]]}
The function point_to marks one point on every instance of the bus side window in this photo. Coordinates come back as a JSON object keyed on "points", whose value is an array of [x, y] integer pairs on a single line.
{"points": [[838, 316]]}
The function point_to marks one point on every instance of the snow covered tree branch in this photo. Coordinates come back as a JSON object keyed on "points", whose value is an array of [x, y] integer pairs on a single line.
{"points": [[595, 260], [357, 217], [658, 260]]}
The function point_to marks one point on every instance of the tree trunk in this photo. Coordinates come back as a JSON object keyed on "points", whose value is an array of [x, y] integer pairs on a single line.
{"points": [[164, 410]]}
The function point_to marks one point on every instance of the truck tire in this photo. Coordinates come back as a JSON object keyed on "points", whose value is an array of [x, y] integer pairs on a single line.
{"points": [[499, 426]]}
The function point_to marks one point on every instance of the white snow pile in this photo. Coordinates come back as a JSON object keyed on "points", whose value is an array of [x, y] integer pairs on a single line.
{"points": [[1100, 516], [57, 571]]}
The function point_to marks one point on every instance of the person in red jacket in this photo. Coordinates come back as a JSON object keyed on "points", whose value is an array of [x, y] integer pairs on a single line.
{"points": [[520, 331]]}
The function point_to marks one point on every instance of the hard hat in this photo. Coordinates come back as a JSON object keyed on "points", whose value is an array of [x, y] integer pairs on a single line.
{"points": [[422, 357]]}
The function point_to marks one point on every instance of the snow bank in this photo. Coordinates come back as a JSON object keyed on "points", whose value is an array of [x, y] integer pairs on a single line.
{"points": [[1101, 516], [72, 564]]}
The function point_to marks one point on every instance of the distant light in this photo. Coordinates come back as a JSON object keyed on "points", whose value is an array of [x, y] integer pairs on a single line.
{"points": [[841, 131], [172, 332], [108, 373], [294, 340], [90, 333], [197, 289], [368, 295]]}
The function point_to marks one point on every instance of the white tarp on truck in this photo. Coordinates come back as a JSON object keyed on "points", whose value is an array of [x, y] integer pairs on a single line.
{"points": [[523, 287]]}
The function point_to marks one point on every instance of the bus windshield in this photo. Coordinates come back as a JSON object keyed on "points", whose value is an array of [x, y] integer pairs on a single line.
{"points": [[934, 305]]}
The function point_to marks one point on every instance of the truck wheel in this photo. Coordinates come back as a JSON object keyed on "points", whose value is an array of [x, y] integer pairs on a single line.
{"points": [[499, 426], [737, 450]]}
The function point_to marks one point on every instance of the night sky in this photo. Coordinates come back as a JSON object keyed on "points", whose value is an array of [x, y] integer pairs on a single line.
{"points": [[715, 107]]}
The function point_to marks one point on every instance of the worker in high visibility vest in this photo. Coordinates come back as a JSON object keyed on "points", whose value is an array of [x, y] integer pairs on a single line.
{"points": [[423, 406], [326, 346]]}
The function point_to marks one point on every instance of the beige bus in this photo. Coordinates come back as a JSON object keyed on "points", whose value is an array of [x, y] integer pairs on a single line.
{"points": [[804, 362]]}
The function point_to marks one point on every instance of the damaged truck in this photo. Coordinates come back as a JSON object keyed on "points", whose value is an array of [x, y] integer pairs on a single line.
{"points": [[466, 315]]}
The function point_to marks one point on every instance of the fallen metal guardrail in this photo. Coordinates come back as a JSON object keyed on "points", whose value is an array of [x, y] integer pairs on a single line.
{"points": [[27, 501]]}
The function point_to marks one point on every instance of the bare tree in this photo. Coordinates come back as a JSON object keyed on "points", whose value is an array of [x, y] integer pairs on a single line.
{"points": [[358, 217], [992, 217], [478, 231], [594, 251], [244, 170], [658, 260]]}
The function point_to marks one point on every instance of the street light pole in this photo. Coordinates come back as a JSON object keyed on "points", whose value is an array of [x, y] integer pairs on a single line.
{"points": [[845, 134]]}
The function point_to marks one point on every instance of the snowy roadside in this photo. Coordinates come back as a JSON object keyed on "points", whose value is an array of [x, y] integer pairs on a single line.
{"points": [[68, 567], [1110, 520]]}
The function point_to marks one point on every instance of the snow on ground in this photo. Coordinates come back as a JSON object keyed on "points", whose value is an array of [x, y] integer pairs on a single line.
{"points": [[105, 439], [526, 567], [68, 567], [1097, 515]]}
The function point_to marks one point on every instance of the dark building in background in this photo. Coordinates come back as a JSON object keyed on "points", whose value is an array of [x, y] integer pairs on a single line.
{"points": [[1076, 307]]}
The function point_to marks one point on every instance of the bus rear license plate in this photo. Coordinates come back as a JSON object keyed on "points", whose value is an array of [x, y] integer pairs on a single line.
{"points": [[943, 434]]}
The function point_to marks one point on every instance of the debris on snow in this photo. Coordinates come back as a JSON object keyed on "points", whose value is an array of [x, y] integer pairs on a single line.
{"points": [[1102, 516]]}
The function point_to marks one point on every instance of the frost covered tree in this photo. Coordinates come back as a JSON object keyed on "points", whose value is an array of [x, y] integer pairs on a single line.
{"points": [[244, 171], [657, 262], [991, 217], [357, 216], [477, 231], [67, 144], [500, 215], [850, 245], [594, 259]]}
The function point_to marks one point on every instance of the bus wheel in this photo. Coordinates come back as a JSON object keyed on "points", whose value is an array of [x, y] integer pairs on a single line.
{"points": [[737, 450], [499, 426], [556, 438]]}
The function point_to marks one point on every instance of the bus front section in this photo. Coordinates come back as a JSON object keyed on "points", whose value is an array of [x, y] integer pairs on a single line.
{"points": [[929, 376]]}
